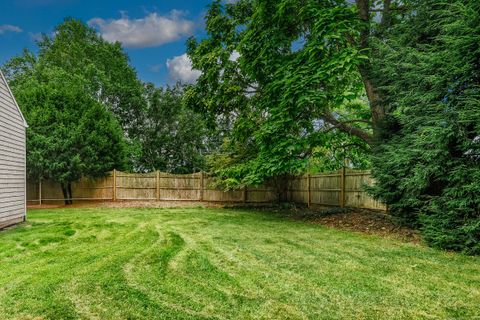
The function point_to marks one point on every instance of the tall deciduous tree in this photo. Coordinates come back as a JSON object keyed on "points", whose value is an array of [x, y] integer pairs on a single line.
{"points": [[285, 74]]}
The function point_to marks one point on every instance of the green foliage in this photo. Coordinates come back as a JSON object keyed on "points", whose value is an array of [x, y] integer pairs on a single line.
{"points": [[172, 137], [296, 65], [79, 50], [71, 134], [428, 165]]}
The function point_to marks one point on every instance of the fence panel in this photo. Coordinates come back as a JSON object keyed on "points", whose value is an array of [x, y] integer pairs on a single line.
{"points": [[345, 188], [325, 189], [93, 189], [135, 186], [261, 194], [297, 189], [215, 195], [33, 196], [179, 186], [51, 191], [355, 194]]}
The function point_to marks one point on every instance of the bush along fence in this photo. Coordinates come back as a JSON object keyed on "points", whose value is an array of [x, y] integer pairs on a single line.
{"points": [[344, 188]]}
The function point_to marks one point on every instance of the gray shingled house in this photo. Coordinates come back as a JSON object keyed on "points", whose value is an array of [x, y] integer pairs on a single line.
{"points": [[12, 158]]}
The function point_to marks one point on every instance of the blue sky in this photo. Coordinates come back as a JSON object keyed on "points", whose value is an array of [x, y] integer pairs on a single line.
{"points": [[153, 33]]}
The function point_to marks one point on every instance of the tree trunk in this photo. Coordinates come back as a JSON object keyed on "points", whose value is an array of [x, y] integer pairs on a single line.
{"points": [[67, 193], [374, 97], [377, 107], [70, 194]]}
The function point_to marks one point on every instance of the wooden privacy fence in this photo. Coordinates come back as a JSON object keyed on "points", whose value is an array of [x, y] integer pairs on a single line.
{"points": [[155, 186], [344, 188]]}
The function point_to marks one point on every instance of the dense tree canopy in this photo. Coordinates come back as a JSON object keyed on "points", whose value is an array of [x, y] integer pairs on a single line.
{"points": [[172, 137], [296, 82], [75, 121]]}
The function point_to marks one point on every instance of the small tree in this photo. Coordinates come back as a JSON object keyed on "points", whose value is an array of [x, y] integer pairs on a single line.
{"points": [[109, 79], [71, 134]]}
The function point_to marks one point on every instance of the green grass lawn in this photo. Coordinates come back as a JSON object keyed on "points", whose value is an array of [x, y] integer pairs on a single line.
{"points": [[195, 263]]}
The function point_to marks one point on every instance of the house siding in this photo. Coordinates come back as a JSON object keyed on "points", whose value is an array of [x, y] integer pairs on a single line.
{"points": [[12, 159]]}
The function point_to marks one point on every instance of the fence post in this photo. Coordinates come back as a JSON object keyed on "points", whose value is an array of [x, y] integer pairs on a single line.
{"points": [[114, 185], [342, 187], [309, 191], [202, 186], [245, 194], [158, 185], [40, 191]]}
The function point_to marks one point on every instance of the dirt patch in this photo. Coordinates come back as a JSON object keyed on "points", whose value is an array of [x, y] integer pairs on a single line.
{"points": [[160, 204], [369, 222], [131, 204], [43, 206]]}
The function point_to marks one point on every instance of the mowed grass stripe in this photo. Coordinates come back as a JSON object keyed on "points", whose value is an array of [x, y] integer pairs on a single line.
{"points": [[196, 263]]}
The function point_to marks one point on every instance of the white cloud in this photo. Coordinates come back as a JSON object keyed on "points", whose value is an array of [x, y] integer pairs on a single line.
{"points": [[8, 27], [152, 30], [180, 69]]}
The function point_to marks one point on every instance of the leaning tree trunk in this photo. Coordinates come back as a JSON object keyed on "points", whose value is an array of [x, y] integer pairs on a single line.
{"points": [[377, 107]]}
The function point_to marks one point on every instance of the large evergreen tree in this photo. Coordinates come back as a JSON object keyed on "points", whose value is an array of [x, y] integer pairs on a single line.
{"points": [[80, 50], [70, 135], [427, 163]]}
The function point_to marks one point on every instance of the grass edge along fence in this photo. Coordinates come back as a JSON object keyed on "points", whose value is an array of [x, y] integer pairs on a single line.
{"points": [[344, 188]]}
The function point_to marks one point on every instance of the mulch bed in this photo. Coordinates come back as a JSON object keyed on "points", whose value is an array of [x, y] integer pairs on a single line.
{"points": [[359, 220]]}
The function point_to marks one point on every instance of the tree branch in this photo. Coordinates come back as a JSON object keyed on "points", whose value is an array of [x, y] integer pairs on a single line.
{"points": [[345, 123], [353, 144], [346, 127]]}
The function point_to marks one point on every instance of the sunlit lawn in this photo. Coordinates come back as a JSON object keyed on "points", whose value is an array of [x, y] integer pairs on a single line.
{"points": [[195, 263]]}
